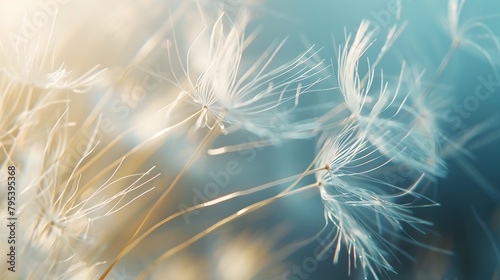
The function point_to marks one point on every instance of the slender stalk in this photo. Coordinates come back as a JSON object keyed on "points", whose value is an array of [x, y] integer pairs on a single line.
{"points": [[130, 152], [203, 144], [216, 201], [243, 211]]}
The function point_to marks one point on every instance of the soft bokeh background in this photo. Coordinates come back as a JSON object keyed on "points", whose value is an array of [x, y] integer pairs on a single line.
{"points": [[260, 245]]}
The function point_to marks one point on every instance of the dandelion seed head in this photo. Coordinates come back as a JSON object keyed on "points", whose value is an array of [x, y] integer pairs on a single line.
{"points": [[257, 97], [472, 34], [361, 205], [381, 118], [366, 225], [59, 208]]}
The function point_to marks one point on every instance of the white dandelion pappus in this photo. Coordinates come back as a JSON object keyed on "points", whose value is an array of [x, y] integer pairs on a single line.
{"points": [[20, 108], [472, 34], [363, 209], [59, 215], [393, 134], [425, 118], [35, 64], [253, 98]]}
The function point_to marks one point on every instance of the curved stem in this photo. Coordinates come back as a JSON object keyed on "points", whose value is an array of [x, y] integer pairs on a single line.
{"points": [[203, 143], [220, 223], [213, 202], [132, 151]]}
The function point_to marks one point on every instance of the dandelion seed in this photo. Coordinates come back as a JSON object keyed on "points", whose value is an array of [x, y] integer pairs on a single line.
{"points": [[59, 216], [252, 98], [471, 33], [34, 64], [362, 207], [392, 135]]}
